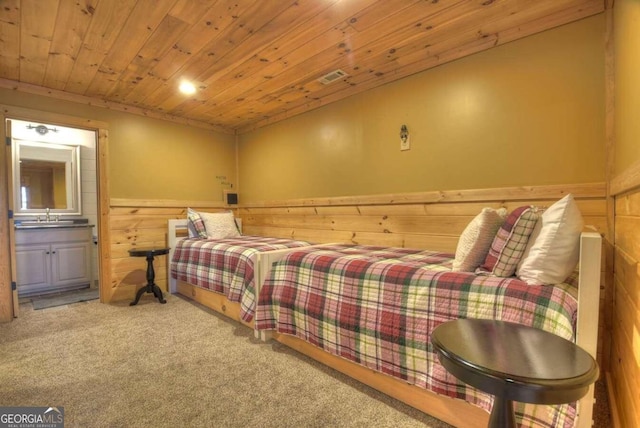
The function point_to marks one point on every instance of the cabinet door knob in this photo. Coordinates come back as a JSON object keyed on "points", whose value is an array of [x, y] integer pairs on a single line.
{"points": [[47, 252]]}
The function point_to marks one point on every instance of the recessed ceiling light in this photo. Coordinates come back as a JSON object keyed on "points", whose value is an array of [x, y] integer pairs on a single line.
{"points": [[187, 87]]}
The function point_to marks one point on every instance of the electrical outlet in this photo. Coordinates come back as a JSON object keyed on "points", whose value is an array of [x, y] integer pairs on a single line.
{"points": [[405, 143]]}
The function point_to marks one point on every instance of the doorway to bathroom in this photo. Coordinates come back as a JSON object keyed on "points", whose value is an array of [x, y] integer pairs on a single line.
{"points": [[98, 180], [55, 212]]}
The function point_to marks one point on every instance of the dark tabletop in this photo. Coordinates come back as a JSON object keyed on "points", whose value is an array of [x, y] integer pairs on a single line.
{"points": [[145, 252], [530, 364]]}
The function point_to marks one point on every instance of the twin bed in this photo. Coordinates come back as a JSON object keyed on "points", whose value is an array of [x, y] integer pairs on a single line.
{"points": [[222, 273], [368, 311]]}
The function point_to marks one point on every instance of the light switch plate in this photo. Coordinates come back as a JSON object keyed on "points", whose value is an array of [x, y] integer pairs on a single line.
{"points": [[406, 143]]}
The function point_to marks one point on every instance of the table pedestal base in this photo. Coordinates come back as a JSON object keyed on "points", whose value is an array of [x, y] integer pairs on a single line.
{"points": [[502, 415], [151, 286]]}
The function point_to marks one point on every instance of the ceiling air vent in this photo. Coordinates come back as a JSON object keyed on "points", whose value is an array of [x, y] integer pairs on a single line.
{"points": [[332, 76]]}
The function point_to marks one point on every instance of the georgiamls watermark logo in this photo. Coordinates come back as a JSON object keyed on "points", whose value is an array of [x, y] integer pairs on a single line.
{"points": [[31, 417]]}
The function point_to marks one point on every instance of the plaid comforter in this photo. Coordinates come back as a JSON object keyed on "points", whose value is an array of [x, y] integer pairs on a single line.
{"points": [[377, 307], [225, 266]]}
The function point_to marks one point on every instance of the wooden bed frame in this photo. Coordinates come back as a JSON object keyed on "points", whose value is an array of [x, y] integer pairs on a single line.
{"points": [[458, 412], [177, 230], [453, 411]]}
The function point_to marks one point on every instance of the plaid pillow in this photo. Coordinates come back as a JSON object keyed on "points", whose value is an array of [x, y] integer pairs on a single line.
{"points": [[195, 225], [510, 242]]}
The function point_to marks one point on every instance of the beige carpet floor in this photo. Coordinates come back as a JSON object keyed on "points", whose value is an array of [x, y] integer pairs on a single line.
{"points": [[176, 365]]}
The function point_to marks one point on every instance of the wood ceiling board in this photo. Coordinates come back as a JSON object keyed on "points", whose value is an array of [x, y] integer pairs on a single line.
{"points": [[420, 64], [191, 11], [373, 15], [37, 22], [67, 41], [145, 18], [201, 56], [10, 41], [246, 24], [439, 55], [291, 80], [571, 14], [138, 69], [149, 92], [109, 17], [272, 30], [281, 23], [256, 61]]}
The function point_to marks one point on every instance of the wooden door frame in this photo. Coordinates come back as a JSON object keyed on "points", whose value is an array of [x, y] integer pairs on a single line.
{"points": [[7, 248], [10, 205]]}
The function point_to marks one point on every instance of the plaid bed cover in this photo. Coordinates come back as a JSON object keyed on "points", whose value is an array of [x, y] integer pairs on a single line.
{"points": [[225, 265], [378, 307]]}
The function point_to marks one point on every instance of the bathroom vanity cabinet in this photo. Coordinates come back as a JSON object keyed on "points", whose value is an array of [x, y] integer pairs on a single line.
{"points": [[53, 258]]}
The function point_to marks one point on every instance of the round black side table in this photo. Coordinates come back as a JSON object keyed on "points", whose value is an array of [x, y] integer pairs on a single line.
{"points": [[151, 286], [514, 363]]}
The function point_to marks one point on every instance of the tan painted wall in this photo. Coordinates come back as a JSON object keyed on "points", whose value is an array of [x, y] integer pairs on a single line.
{"points": [[627, 83], [149, 158], [529, 112]]}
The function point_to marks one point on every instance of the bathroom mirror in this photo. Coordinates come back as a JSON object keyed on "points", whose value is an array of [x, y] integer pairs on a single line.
{"points": [[46, 176]]}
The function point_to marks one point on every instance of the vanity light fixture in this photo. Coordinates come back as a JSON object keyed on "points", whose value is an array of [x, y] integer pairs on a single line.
{"points": [[187, 87], [41, 129]]}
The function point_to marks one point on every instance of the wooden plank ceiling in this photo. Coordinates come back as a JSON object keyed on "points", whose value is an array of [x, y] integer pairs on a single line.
{"points": [[254, 62]]}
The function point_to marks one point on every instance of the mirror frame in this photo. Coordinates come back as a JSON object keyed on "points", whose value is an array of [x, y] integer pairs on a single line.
{"points": [[73, 188]]}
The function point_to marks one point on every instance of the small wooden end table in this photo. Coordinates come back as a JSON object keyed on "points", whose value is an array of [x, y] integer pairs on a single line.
{"points": [[151, 286], [514, 363]]}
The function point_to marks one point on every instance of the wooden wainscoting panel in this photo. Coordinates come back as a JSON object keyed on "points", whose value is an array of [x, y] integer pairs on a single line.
{"points": [[588, 207], [608, 287], [627, 236], [139, 226], [522, 193], [320, 236], [442, 243], [623, 370], [453, 225], [128, 264], [137, 237], [119, 222], [628, 204], [428, 220], [625, 313]]}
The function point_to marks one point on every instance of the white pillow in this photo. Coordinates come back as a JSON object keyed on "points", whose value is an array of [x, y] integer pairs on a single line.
{"points": [[553, 249], [475, 241], [220, 225]]}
